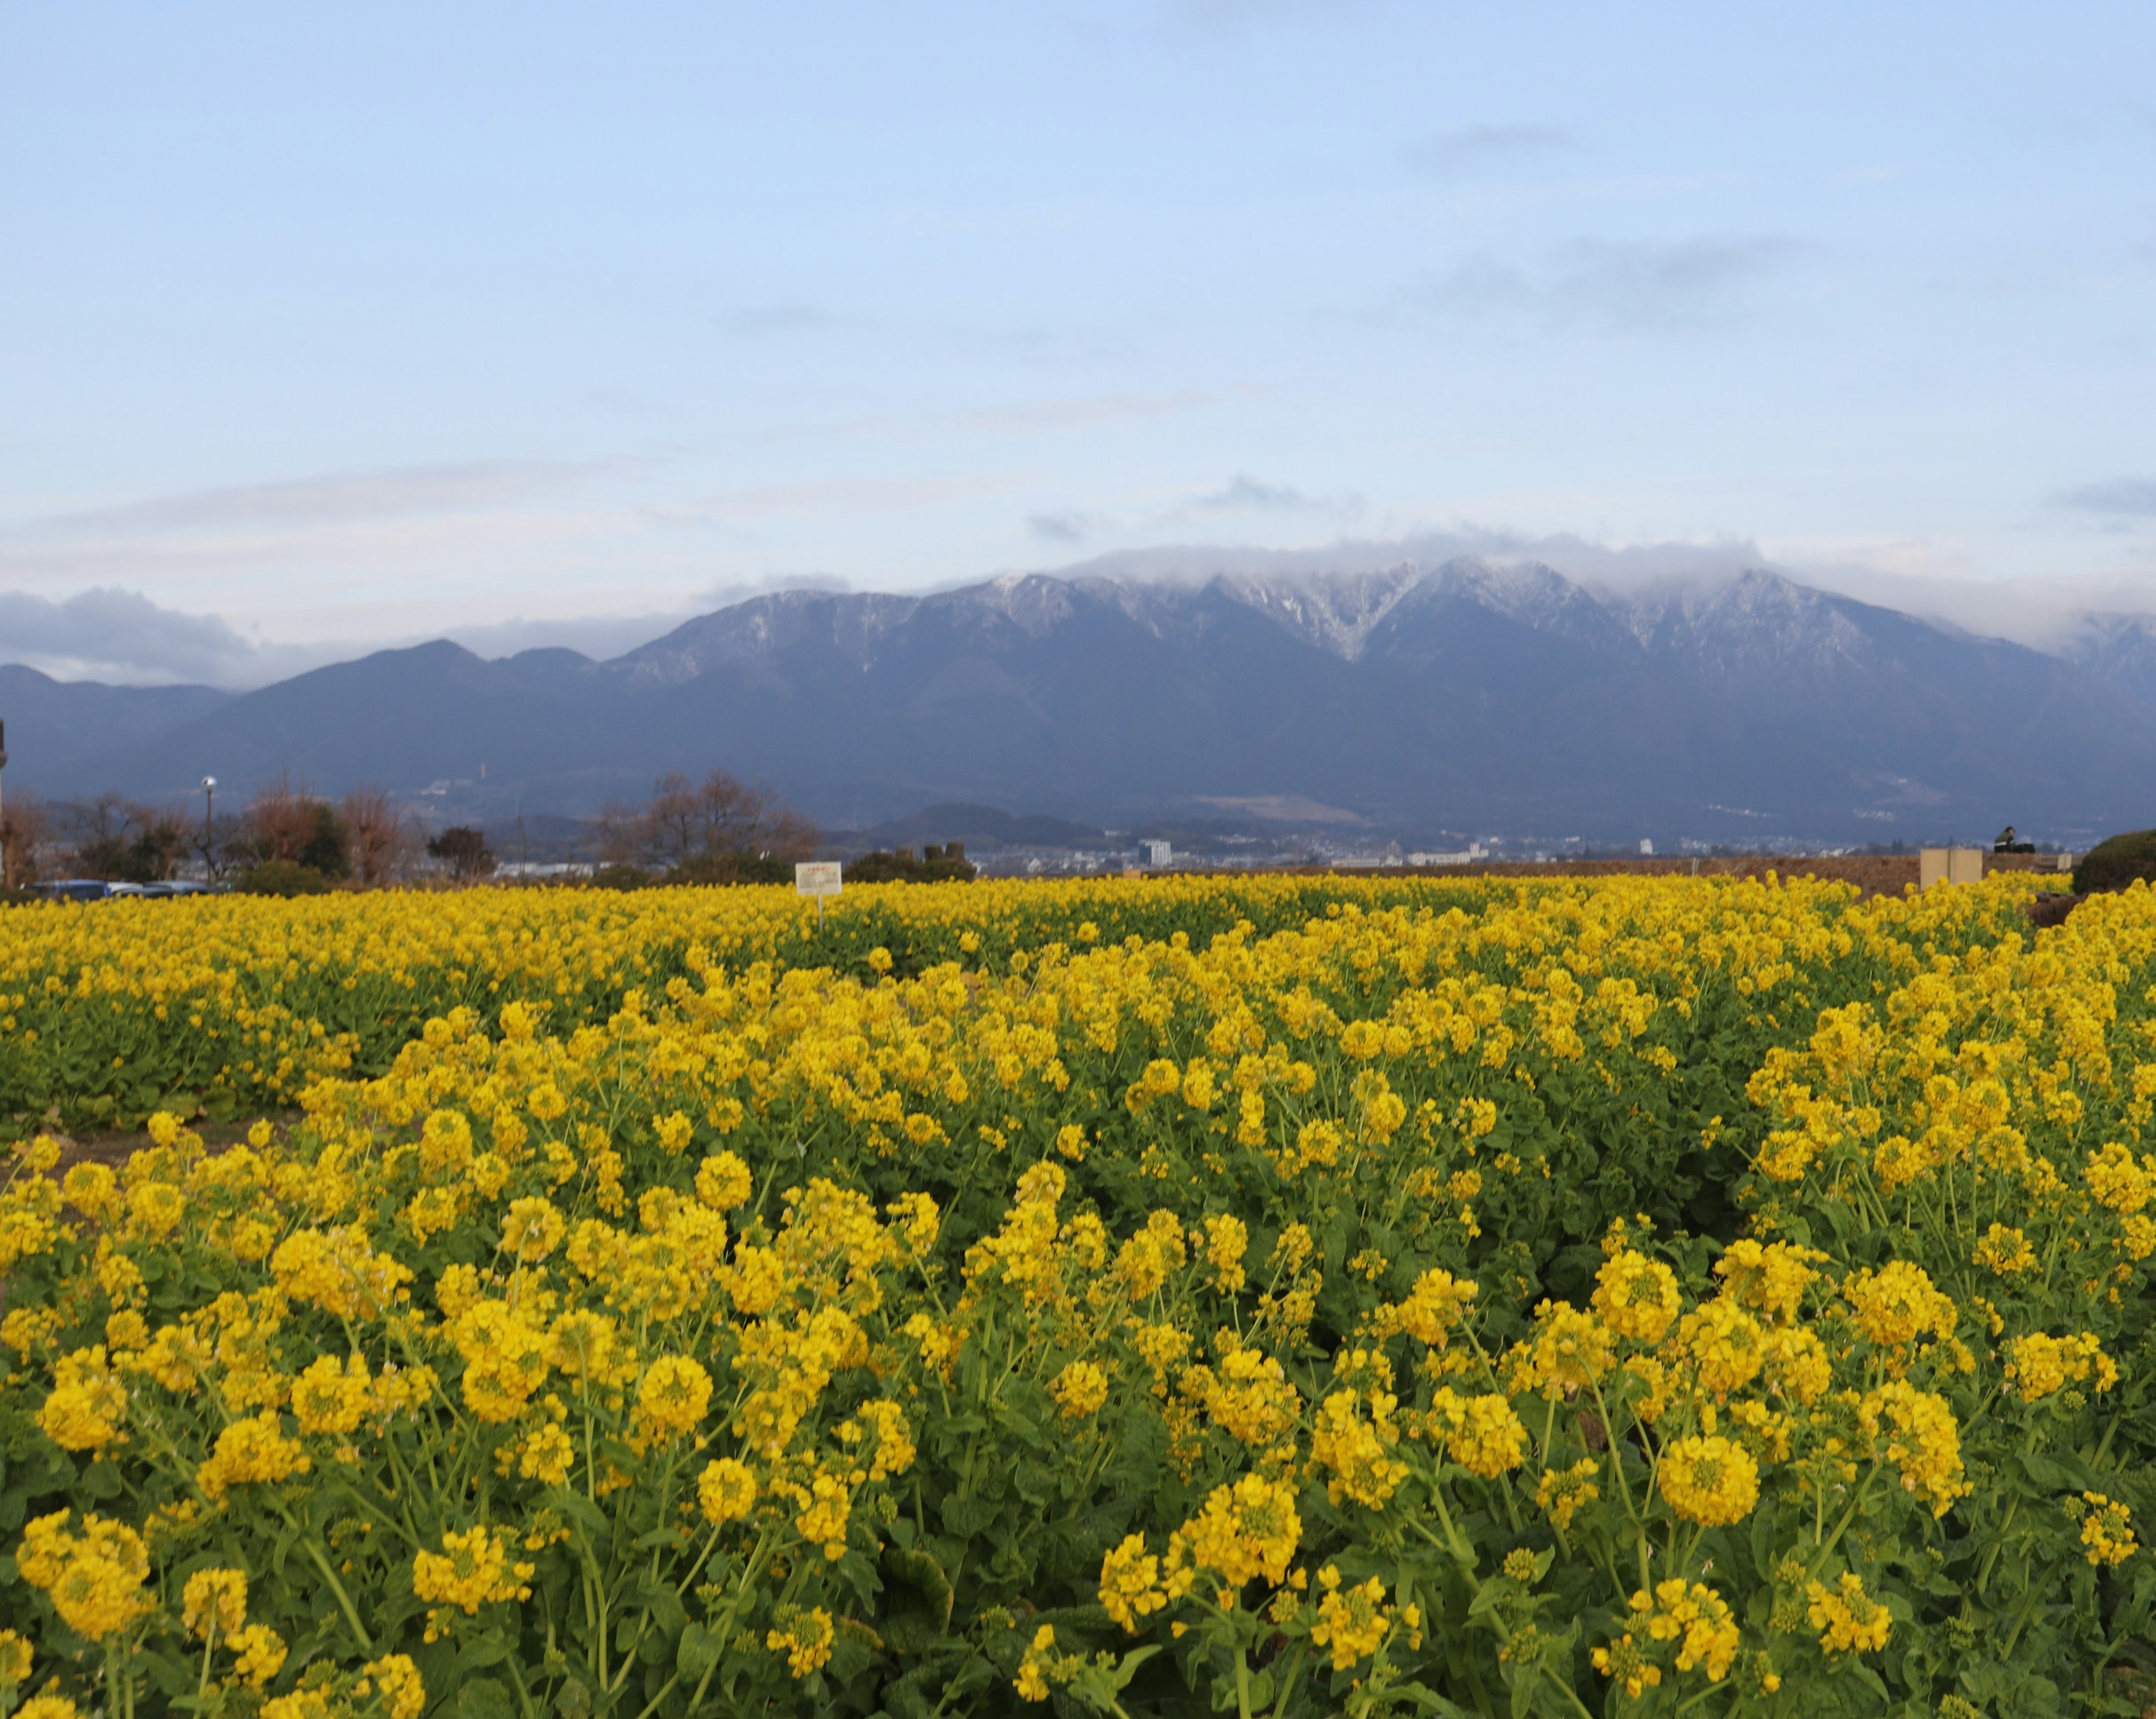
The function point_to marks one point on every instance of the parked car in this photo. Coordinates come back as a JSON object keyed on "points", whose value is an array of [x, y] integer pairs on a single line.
{"points": [[91, 889], [73, 888]]}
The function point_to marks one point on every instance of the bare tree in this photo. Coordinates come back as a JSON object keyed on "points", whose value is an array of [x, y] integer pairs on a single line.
{"points": [[673, 819], [711, 830], [280, 819], [23, 826], [160, 839], [379, 838], [286, 823], [114, 838], [621, 833]]}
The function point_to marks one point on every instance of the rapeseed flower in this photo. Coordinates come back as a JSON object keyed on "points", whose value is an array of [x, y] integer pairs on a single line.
{"points": [[1709, 1480], [2107, 1530], [214, 1600], [805, 1637], [1635, 1297], [1847, 1619], [1352, 1622], [472, 1569]]}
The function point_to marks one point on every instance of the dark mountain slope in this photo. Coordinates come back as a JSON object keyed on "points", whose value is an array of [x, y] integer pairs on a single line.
{"points": [[398, 718], [56, 728], [1461, 696]]}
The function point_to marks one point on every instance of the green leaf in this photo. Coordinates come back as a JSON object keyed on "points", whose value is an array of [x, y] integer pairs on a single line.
{"points": [[699, 1651], [966, 1515], [584, 1513], [490, 1650], [664, 1604], [482, 1698]]}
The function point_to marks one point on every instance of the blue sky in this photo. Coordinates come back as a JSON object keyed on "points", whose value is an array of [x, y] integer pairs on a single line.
{"points": [[342, 323]]}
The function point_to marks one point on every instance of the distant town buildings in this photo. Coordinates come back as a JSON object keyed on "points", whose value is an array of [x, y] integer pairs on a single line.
{"points": [[1474, 851], [1155, 853]]}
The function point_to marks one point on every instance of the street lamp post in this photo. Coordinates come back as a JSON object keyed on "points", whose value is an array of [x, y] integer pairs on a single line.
{"points": [[210, 830], [5, 882]]}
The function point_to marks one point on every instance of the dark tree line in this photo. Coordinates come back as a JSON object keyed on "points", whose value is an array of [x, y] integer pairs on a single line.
{"points": [[288, 840]]}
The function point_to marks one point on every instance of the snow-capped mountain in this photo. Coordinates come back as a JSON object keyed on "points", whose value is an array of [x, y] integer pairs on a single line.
{"points": [[1461, 695]]}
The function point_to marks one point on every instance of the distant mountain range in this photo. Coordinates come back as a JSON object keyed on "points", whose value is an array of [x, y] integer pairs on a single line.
{"points": [[1460, 698]]}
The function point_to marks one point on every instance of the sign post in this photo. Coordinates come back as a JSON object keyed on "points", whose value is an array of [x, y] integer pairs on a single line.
{"points": [[818, 877]]}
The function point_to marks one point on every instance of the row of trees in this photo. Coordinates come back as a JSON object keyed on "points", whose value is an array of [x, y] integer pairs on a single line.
{"points": [[719, 830], [363, 836]]}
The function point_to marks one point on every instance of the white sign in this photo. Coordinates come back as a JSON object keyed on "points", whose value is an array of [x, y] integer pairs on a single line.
{"points": [[817, 877]]}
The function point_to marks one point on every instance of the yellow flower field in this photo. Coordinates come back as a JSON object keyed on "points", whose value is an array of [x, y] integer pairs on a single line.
{"points": [[1269, 1296]]}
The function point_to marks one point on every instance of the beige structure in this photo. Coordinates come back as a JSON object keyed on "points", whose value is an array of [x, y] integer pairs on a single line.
{"points": [[1949, 865]]}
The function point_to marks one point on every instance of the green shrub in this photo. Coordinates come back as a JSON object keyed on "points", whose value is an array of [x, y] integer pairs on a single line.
{"points": [[280, 877], [731, 866], [902, 867], [2115, 861]]}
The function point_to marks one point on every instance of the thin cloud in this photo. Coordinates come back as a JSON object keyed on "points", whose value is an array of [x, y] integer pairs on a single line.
{"points": [[2121, 496], [337, 499], [734, 591], [1615, 567], [1246, 495], [122, 637], [1072, 414], [1068, 527], [855, 497], [1241, 494], [1627, 285], [753, 320], [1474, 147], [2048, 614]]}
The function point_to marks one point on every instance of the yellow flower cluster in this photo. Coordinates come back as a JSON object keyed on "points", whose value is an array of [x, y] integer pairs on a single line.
{"points": [[1848, 1619], [214, 1602], [95, 1579], [1244, 1531], [1709, 1480], [2038, 1365], [2108, 1530], [393, 1681], [1696, 1619], [804, 1638], [473, 1568], [1352, 1622]]}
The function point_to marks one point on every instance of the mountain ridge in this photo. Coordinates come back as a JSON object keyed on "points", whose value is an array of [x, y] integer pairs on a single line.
{"points": [[1459, 696]]}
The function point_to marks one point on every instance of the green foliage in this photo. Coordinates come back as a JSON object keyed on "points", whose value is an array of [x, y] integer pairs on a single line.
{"points": [[2115, 862], [280, 877], [621, 877], [903, 865], [464, 851], [727, 866]]}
